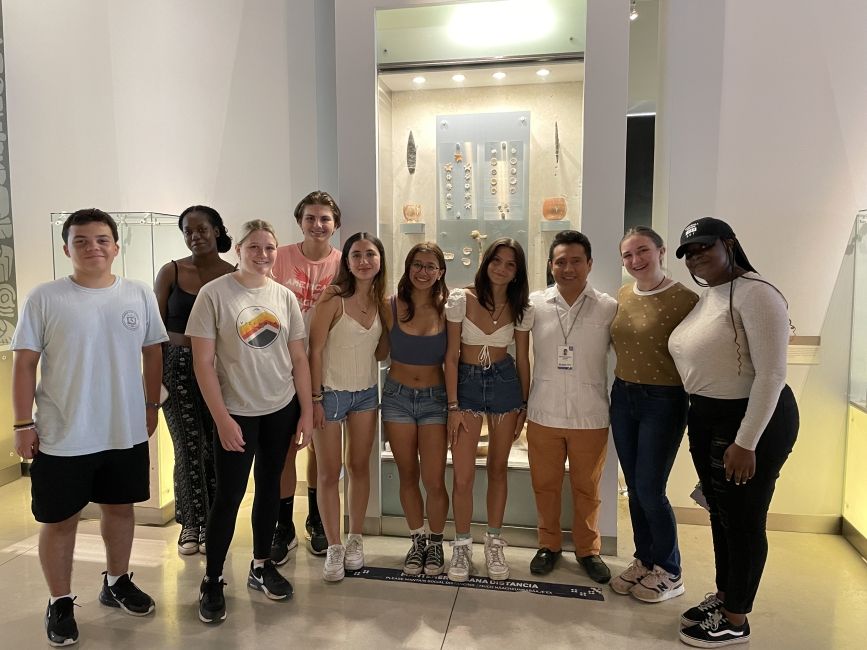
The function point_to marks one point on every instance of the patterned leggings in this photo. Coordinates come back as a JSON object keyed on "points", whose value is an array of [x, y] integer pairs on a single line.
{"points": [[192, 430]]}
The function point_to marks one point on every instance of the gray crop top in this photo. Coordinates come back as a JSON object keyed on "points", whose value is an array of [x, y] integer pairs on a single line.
{"points": [[412, 349]]}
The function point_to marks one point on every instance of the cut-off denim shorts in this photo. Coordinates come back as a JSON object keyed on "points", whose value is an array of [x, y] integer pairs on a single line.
{"points": [[413, 405], [492, 390], [340, 403]]}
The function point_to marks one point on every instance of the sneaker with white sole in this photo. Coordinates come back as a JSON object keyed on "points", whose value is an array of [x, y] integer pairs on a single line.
{"points": [[267, 579], [212, 602], [60, 623], [188, 540], [495, 557], [715, 631], [658, 586], [461, 565], [333, 570], [124, 595], [202, 543], [354, 558], [283, 543], [629, 578], [413, 564], [695, 615]]}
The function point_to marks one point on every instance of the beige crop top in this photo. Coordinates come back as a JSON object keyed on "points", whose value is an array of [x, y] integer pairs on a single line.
{"points": [[471, 334], [348, 361]]}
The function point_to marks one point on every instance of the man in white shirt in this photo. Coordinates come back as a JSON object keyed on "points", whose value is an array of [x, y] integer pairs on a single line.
{"points": [[568, 404], [90, 334]]}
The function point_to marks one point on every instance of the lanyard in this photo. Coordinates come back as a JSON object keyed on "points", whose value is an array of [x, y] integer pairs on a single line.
{"points": [[572, 326]]}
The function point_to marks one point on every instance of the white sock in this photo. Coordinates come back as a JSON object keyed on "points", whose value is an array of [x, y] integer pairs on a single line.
{"points": [[354, 536], [417, 531], [110, 579], [258, 564], [54, 599]]}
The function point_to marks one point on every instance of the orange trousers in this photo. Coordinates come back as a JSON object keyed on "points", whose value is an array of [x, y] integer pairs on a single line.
{"points": [[549, 448]]}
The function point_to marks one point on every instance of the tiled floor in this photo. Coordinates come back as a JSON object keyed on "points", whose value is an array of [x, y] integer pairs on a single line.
{"points": [[814, 595]]}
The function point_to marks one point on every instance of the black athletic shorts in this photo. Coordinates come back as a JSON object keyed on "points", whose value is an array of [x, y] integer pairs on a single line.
{"points": [[60, 486]]}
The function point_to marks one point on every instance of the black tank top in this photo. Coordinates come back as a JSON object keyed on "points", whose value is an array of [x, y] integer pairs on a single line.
{"points": [[178, 306]]}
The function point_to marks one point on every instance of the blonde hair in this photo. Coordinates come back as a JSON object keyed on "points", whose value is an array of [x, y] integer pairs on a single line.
{"points": [[252, 226]]}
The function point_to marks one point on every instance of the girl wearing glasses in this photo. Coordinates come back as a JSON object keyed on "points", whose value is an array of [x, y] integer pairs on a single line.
{"points": [[414, 402]]}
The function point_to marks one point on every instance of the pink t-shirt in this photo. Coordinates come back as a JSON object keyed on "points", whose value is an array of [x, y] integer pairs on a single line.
{"points": [[307, 279]]}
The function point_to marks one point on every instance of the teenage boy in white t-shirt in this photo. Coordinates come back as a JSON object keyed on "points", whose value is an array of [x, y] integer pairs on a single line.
{"points": [[90, 334]]}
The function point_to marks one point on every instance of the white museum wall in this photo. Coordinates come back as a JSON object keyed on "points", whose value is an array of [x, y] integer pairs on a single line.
{"points": [[761, 123], [126, 105]]}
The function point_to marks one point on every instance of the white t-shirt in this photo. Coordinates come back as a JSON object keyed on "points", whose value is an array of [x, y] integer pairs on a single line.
{"points": [[90, 396], [252, 329]]}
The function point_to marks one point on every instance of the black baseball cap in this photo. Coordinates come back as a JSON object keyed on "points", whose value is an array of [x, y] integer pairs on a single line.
{"points": [[704, 231]]}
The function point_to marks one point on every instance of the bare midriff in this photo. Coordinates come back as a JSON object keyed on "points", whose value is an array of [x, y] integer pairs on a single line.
{"points": [[416, 376], [470, 354]]}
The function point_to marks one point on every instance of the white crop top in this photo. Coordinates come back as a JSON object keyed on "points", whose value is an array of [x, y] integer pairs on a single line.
{"points": [[472, 334], [348, 361]]}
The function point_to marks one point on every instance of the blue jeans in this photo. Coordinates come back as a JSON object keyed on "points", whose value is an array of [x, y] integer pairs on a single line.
{"points": [[647, 424], [493, 390]]}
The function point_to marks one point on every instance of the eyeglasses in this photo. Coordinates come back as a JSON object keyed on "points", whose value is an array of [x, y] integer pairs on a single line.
{"points": [[430, 269]]}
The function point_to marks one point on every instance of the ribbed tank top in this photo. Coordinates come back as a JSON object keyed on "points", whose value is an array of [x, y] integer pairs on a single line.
{"points": [[415, 349], [178, 306], [348, 361]]}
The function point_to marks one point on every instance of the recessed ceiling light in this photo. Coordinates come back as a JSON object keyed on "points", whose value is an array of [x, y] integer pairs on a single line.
{"points": [[499, 75], [458, 77], [543, 72], [418, 80]]}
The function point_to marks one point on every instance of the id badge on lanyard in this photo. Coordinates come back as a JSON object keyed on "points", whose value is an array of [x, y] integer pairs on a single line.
{"points": [[565, 357]]}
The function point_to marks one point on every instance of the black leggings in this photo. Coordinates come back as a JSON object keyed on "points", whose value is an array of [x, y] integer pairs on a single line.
{"points": [[739, 513], [267, 437]]}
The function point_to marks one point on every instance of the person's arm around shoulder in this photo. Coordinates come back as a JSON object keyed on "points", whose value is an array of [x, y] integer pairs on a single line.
{"points": [[324, 315], [24, 364]]}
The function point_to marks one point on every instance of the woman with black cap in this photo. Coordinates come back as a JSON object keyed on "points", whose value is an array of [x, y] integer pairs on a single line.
{"points": [[743, 420]]}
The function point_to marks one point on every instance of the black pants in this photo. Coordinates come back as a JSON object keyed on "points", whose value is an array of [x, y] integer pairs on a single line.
{"points": [[267, 437], [739, 513]]}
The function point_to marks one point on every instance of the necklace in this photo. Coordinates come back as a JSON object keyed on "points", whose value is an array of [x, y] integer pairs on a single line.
{"points": [[664, 278], [491, 312]]}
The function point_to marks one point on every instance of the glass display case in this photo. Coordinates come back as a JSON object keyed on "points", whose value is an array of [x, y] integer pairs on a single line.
{"points": [[855, 484], [147, 241], [467, 155]]}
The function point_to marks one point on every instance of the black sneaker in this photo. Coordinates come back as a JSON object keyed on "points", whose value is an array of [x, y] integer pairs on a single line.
{"points": [[544, 561], [317, 543], [285, 541], [716, 630], [60, 622], [695, 615], [125, 595], [434, 558], [413, 565], [595, 568], [212, 603], [268, 580]]}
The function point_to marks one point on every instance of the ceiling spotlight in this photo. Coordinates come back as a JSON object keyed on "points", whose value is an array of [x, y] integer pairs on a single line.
{"points": [[499, 75], [633, 11], [418, 80], [543, 72], [458, 77]]}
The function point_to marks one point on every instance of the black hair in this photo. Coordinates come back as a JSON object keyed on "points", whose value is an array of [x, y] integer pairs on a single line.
{"points": [[85, 216], [439, 291], [345, 281], [224, 241], [318, 198], [570, 237], [518, 290]]}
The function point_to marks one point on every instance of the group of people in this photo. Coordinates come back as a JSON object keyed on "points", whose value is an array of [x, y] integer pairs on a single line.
{"points": [[278, 353]]}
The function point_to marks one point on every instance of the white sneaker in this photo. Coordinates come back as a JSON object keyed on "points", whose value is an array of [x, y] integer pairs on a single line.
{"points": [[333, 570], [495, 557], [633, 574], [461, 565], [354, 552], [657, 586]]}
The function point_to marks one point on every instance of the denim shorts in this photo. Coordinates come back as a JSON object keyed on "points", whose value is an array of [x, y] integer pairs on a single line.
{"points": [[340, 403], [413, 405], [492, 390]]}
